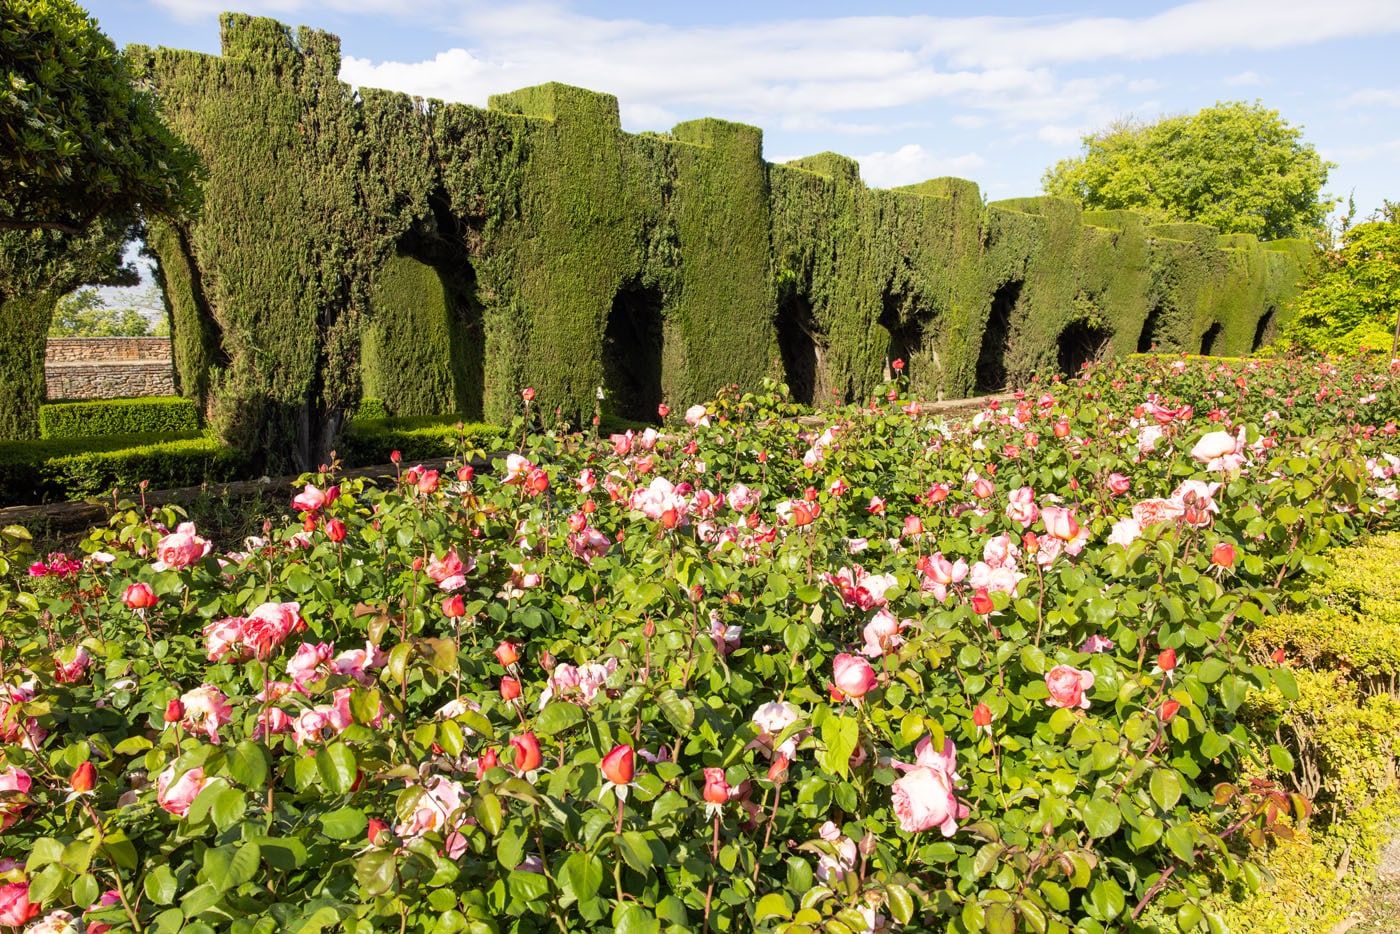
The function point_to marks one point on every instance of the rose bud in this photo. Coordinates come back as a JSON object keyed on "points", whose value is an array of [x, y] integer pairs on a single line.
{"points": [[1223, 556], [454, 607], [982, 716], [139, 596], [982, 602], [507, 653], [485, 762], [510, 689], [527, 752], [1166, 660], [395, 457], [649, 629], [309, 524], [466, 473], [619, 765], [1169, 709], [853, 675], [778, 771], [717, 789], [528, 394], [1062, 428], [1278, 655], [377, 828], [174, 711], [663, 410], [335, 531], [84, 777]]}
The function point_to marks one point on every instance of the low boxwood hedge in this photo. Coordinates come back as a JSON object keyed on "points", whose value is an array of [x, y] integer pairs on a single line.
{"points": [[371, 441], [58, 469], [101, 417]]}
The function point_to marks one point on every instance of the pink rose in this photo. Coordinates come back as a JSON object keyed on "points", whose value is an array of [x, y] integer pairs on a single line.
{"points": [[697, 417], [853, 675], [177, 796], [881, 633], [305, 665], [1118, 484], [439, 809], [1067, 686], [70, 665], [1213, 446], [16, 909], [181, 548], [1152, 511], [17, 782], [1021, 507], [206, 709], [1060, 523], [310, 499], [924, 798], [268, 626]]}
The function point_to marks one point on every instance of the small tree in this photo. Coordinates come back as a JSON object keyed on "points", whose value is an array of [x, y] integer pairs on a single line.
{"points": [[1239, 167], [83, 314], [78, 139], [1355, 303]]}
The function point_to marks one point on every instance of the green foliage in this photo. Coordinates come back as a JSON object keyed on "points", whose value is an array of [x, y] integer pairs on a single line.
{"points": [[24, 320], [82, 314], [81, 140], [1343, 732], [137, 416], [415, 360], [369, 441], [443, 258], [1236, 166], [75, 468], [1354, 303]]}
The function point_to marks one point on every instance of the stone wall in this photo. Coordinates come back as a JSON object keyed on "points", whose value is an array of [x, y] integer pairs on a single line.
{"points": [[108, 367]]}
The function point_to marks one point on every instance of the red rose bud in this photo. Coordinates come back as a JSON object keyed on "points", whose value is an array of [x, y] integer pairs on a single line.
{"points": [[1062, 429], [139, 596], [778, 771], [663, 410], [507, 653], [377, 828], [982, 602], [485, 762], [1169, 709], [717, 790], [510, 689], [1278, 655], [395, 457], [466, 473], [309, 524], [335, 531], [620, 765], [1223, 556], [1166, 659], [174, 711], [84, 777], [454, 607], [897, 366], [528, 394], [527, 752], [982, 715], [649, 629]]}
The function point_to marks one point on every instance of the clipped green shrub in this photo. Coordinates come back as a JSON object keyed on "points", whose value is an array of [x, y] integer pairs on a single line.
{"points": [[416, 438], [100, 417], [370, 410], [1343, 734], [74, 468]]}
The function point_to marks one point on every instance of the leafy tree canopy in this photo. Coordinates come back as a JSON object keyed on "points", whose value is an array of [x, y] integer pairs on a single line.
{"points": [[1237, 166], [78, 138], [1354, 304], [83, 314]]}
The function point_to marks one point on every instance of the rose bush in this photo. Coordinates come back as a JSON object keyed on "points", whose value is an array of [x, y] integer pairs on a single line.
{"points": [[882, 670]]}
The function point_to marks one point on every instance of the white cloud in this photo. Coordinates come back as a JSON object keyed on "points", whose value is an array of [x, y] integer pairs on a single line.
{"points": [[913, 163], [1244, 79], [1365, 152], [1060, 135], [1145, 86], [1374, 97]]}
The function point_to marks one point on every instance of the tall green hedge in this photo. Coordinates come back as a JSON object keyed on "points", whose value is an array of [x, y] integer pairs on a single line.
{"points": [[443, 257]]}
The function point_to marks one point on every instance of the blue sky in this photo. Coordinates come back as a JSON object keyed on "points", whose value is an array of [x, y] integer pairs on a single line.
{"points": [[994, 92]]}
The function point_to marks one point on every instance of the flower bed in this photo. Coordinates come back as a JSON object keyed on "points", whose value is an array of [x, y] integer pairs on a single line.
{"points": [[893, 672]]}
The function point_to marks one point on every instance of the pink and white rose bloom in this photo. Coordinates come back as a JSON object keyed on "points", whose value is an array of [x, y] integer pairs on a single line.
{"points": [[852, 675], [176, 796], [1021, 507], [771, 719], [697, 417], [206, 709], [309, 663], [1068, 686], [181, 548], [882, 633], [858, 589], [924, 798], [438, 810]]}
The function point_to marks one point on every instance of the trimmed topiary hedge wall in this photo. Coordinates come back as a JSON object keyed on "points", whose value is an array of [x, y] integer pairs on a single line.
{"points": [[442, 257], [89, 419], [74, 468]]}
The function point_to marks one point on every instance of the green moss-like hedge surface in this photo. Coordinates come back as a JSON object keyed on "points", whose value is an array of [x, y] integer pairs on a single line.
{"points": [[441, 257], [137, 416]]}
